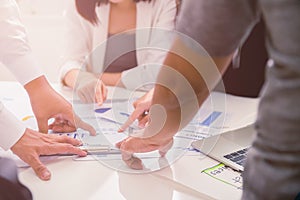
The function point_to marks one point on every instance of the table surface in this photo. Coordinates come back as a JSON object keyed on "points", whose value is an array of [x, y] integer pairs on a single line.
{"points": [[92, 180]]}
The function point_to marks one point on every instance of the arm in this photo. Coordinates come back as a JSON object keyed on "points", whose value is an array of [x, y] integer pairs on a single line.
{"points": [[174, 109], [15, 53], [112, 79], [29, 144], [86, 85], [46, 104], [189, 83], [17, 56], [32, 144], [77, 46]]}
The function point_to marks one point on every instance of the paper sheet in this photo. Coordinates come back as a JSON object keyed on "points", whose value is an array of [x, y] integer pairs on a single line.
{"points": [[226, 175], [216, 117]]}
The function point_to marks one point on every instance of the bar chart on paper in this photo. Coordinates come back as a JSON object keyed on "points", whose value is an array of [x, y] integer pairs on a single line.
{"points": [[205, 123], [211, 118], [211, 121]]}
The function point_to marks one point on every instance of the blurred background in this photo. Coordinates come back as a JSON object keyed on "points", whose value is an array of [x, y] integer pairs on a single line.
{"points": [[44, 22]]}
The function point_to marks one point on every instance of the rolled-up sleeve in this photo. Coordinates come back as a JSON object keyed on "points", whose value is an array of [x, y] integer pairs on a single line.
{"points": [[213, 24]]}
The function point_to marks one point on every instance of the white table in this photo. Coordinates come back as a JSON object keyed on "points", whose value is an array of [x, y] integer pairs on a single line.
{"points": [[91, 180]]}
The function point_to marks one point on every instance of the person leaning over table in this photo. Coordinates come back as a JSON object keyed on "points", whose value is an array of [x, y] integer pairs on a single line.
{"points": [[272, 169], [91, 23], [16, 55]]}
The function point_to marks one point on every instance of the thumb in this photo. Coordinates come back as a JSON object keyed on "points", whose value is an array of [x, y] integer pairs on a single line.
{"points": [[85, 126], [43, 125], [164, 149]]}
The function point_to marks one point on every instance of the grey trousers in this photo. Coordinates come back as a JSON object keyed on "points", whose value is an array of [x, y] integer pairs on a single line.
{"points": [[272, 169]]}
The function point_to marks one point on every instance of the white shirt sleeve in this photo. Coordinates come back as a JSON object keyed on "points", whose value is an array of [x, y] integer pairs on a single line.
{"points": [[78, 40], [11, 129], [15, 52], [16, 55]]}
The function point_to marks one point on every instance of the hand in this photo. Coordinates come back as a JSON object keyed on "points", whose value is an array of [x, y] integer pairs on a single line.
{"points": [[158, 135], [33, 144], [142, 106], [90, 89], [47, 104], [132, 145]]}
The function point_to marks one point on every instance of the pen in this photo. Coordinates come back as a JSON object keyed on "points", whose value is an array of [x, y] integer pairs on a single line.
{"points": [[95, 148], [124, 114], [91, 150]]}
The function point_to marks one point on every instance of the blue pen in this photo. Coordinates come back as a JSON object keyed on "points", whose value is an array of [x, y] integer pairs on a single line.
{"points": [[124, 114]]}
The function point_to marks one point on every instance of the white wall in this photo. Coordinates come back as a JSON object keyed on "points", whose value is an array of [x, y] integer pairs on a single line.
{"points": [[45, 27]]}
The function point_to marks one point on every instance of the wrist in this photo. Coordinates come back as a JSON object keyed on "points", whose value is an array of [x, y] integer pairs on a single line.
{"points": [[112, 79], [83, 79], [69, 79], [37, 85]]}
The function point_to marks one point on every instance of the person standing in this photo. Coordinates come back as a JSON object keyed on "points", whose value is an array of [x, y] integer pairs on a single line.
{"points": [[272, 169], [28, 144]]}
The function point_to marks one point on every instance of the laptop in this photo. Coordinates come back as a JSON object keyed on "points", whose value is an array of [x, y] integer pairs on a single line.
{"points": [[229, 148]]}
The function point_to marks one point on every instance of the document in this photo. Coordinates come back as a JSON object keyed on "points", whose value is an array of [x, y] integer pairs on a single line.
{"points": [[219, 117], [226, 175]]}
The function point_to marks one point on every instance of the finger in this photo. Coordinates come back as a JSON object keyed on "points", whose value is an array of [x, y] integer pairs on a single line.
{"points": [[63, 128], [82, 96], [136, 103], [43, 125], [51, 126], [143, 121], [126, 125], [136, 145], [74, 122], [134, 115], [41, 170], [85, 126], [104, 92], [63, 125], [90, 94], [118, 144], [57, 121], [69, 140], [164, 149], [62, 148], [132, 161], [98, 95]]}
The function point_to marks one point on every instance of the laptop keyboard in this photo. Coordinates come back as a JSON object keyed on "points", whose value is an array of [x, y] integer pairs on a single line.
{"points": [[238, 157]]}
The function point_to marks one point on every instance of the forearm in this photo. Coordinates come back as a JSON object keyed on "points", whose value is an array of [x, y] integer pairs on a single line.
{"points": [[112, 79], [34, 86], [182, 87], [70, 78]]}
